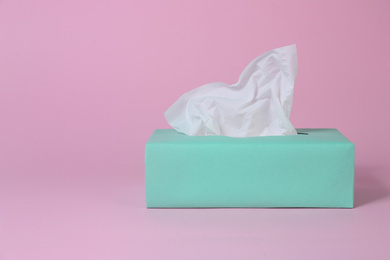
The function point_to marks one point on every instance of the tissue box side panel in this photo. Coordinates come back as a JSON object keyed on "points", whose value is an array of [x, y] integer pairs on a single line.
{"points": [[262, 172]]}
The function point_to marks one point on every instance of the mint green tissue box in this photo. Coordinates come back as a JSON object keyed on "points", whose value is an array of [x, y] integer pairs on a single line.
{"points": [[314, 169]]}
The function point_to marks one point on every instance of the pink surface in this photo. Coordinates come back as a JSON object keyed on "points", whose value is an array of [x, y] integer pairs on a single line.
{"points": [[83, 84]]}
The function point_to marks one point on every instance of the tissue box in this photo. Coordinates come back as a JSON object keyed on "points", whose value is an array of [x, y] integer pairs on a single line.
{"points": [[313, 169]]}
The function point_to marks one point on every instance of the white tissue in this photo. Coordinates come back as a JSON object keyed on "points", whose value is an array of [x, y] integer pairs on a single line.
{"points": [[259, 104]]}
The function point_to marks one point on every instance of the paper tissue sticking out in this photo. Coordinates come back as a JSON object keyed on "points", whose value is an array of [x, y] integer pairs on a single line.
{"points": [[259, 104]]}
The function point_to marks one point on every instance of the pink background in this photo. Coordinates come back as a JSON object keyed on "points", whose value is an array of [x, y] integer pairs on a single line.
{"points": [[83, 84]]}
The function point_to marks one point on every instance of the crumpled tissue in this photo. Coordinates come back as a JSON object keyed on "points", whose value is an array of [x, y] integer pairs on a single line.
{"points": [[259, 104]]}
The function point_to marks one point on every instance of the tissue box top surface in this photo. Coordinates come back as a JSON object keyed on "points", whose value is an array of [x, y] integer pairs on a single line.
{"points": [[309, 136]]}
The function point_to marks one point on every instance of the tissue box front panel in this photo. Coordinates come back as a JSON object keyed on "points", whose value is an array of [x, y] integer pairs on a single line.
{"points": [[313, 170]]}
